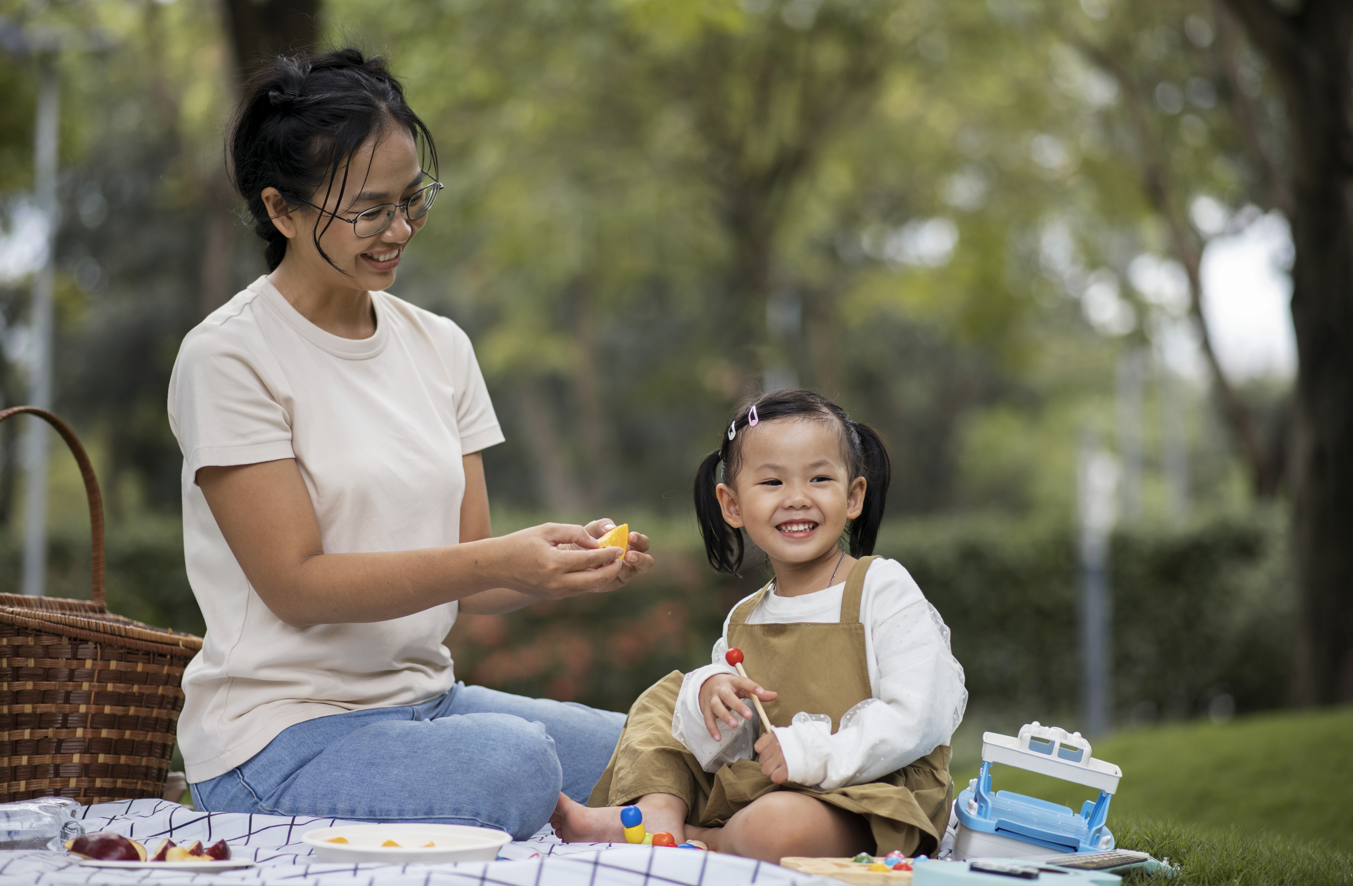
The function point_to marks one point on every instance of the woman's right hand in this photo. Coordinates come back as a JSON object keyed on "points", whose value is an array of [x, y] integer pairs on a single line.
{"points": [[556, 560], [721, 696]]}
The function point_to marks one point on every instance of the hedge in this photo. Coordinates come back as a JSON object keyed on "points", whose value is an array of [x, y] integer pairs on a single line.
{"points": [[1200, 614]]}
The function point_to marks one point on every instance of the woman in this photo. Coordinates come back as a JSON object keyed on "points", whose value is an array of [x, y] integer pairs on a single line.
{"points": [[335, 512]]}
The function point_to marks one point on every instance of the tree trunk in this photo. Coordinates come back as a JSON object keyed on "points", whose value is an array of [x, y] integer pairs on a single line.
{"points": [[1309, 51], [561, 495], [595, 454], [262, 28]]}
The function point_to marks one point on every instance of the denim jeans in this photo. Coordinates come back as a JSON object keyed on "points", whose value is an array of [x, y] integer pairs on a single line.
{"points": [[473, 756]]}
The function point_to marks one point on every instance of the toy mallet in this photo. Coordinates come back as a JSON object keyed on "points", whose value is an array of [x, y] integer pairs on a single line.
{"points": [[734, 657]]}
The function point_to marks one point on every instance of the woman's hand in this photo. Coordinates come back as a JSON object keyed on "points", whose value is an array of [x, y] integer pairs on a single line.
{"points": [[721, 696], [772, 758], [557, 560]]}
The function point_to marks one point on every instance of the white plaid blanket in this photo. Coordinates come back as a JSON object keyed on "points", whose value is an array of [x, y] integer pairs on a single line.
{"points": [[274, 842]]}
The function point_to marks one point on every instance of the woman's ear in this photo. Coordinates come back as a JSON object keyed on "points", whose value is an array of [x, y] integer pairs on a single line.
{"points": [[279, 212], [855, 497], [728, 503]]}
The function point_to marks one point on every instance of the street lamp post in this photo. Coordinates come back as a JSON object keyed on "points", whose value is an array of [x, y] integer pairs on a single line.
{"points": [[40, 377]]}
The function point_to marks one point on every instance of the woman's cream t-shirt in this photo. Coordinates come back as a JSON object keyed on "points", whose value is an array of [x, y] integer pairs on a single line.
{"points": [[378, 428]]}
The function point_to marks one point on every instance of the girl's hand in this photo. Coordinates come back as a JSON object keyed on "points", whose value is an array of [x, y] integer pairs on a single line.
{"points": [[772, 758], [636, 560], [557, 560], [720, 697]]}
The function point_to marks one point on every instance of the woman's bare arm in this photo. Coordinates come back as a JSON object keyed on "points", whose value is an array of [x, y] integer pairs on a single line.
{"points": [[475, 524], [265, 513]]}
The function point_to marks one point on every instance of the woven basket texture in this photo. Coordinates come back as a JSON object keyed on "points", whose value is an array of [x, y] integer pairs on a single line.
{"points": [[89, 700]]}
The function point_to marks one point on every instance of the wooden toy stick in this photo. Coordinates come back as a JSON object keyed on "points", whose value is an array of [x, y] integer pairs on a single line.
{"points": [[734, 657]]}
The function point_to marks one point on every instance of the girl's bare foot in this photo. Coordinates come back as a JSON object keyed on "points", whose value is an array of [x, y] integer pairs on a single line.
{"points": [[576, 823]]}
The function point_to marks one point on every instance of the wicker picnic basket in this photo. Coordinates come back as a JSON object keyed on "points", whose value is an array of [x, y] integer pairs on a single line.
{"points": [[88, 700]]}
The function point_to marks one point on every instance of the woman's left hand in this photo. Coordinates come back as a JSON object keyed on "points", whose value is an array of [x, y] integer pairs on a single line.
{"points": [[772, 758], [637, 559]]}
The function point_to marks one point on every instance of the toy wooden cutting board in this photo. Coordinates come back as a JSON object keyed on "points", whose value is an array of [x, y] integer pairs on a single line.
{"points": [[847, 871]]}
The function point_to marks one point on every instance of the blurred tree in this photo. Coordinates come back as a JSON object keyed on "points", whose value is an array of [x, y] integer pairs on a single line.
{"points": [[1291, 141], [1310, 46], [1166, 63]]}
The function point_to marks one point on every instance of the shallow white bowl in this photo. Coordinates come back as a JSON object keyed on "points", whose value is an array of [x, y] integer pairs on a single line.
{"points": [[451, 842]]}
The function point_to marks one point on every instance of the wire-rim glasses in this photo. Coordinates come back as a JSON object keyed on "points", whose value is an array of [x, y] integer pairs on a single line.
{"points": [[370, 222]]}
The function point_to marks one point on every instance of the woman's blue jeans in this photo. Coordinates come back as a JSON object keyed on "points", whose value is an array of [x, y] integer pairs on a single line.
{"points": [[473, 756]]}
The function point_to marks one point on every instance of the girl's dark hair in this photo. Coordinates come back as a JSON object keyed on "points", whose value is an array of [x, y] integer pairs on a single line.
{"points": [[861, 445], [301, 120]]}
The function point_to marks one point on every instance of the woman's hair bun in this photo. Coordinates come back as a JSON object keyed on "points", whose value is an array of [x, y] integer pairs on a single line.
{"points": [[283, 101]]}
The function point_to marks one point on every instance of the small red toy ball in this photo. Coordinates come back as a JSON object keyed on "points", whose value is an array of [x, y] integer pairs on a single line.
{"points": [[902, 866], [734, 656], [662, 838]]}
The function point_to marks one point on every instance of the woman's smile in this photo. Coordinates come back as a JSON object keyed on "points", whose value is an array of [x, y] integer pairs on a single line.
{"points": [[386, 259]]}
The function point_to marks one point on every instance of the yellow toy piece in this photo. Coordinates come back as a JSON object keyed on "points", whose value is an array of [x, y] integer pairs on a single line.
{"points": [[636, 834], [618, 537], [648, 839]]}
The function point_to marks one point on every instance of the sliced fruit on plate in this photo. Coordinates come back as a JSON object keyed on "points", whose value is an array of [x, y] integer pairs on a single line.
{"points": [[106, 846]]}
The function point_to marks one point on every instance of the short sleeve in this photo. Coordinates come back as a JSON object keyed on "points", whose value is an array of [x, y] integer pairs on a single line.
{"points": [[475, 417], [221, 409]]}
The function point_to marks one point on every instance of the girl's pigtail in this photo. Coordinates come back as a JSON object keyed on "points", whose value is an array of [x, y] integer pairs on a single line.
{"points": [[877, 472], [723, 543]]}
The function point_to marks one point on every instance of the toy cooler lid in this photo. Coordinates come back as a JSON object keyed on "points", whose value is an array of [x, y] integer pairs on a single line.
{"points": [[1049, 750]]}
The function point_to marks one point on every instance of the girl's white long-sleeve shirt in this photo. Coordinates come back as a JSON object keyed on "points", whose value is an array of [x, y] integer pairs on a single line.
{"points": [[917, 686]]}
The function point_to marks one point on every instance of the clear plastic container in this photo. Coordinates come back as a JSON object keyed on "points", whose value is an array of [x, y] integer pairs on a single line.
{"points": [[44, 823]]}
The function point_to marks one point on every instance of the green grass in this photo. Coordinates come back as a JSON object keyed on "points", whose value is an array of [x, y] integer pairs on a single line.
{"points": [[1261, 799], [1216, 858]]}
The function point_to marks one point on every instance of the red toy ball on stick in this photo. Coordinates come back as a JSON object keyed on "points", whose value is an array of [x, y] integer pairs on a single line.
{"points": [[734, 658]]}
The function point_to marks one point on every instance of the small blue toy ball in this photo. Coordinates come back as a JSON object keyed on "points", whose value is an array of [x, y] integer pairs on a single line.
{"points": [[631, 816], [687, 846]]}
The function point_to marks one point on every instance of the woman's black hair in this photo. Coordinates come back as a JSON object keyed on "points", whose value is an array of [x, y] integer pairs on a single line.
{"points": [[861, 445], [298, 125]]}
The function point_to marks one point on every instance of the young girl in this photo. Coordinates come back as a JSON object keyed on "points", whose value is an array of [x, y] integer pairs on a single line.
{"points": [[849, 659]]}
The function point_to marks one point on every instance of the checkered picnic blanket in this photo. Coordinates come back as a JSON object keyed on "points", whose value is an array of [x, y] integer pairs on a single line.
{"points": [[274, 842]]}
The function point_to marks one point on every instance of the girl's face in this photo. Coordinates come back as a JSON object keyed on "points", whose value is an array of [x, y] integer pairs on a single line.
{"points": [[384, 170], [793, 493]]}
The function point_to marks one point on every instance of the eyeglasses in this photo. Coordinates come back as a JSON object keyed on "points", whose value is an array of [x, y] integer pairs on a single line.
{"points": [[370, 222]]}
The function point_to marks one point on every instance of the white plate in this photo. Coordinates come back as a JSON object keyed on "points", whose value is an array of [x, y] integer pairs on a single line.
{"points": [[228, 864], [451, 842]]}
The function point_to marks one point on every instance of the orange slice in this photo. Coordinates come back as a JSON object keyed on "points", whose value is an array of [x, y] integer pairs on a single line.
{"points": [[392, 843], [336, 840], [618, 537]]}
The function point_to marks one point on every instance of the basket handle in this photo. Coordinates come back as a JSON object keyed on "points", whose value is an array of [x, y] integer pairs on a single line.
{"points": [[91, 490]]}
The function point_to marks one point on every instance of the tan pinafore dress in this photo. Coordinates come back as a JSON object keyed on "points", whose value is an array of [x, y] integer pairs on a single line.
{"points": [[818, 668]]}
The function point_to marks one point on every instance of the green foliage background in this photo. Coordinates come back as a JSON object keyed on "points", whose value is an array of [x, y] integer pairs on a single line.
{"points": [[654, 207]]}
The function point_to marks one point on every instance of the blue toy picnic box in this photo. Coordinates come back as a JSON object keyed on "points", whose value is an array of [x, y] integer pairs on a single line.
{"points": [[1004, 824]]}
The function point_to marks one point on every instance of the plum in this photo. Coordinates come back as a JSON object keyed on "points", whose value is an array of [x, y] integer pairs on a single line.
{"points": [[106, 846], [162, 851], [218, 851]]}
